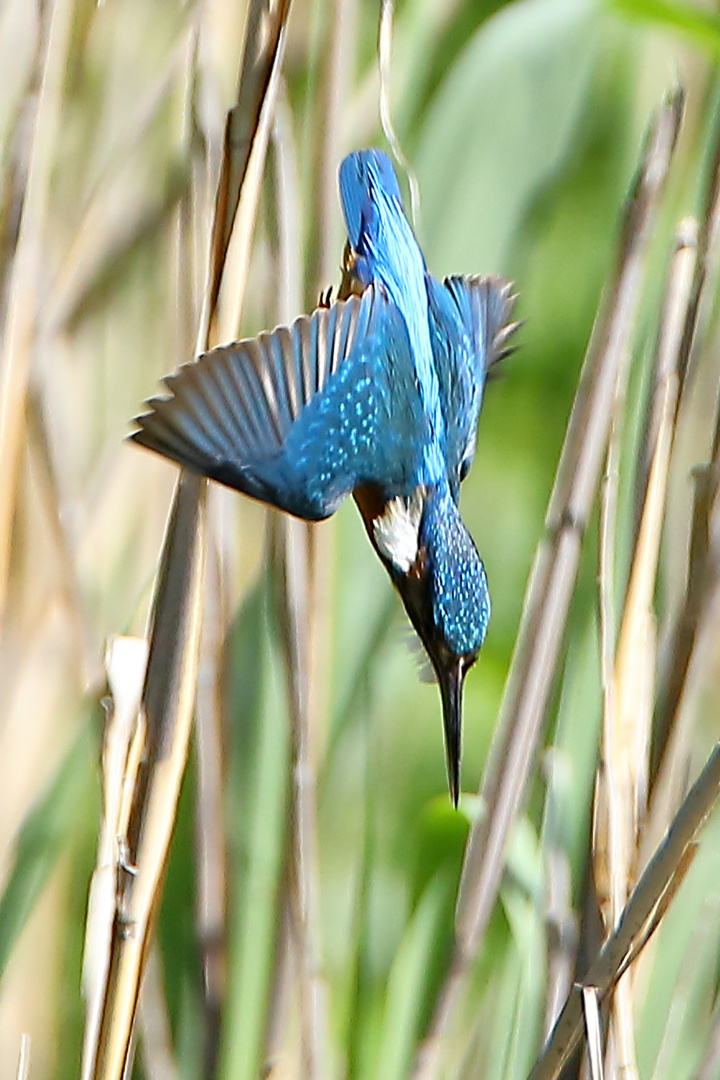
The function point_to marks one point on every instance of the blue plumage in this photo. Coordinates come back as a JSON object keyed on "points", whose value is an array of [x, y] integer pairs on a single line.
{"points": [[368, 188], [386, 251], [459, 591], [300, 417], [377, 396]]}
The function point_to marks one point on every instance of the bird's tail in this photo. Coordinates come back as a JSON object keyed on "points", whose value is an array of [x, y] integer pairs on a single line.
{"points": [[486, 305]]}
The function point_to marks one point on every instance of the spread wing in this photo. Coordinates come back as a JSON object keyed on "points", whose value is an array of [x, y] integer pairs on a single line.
{"points": [[485, 306], [298, 417], [470, 322]]}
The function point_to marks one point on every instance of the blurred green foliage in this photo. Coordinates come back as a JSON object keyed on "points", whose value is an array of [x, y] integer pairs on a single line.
{"points": [[522, 122]]}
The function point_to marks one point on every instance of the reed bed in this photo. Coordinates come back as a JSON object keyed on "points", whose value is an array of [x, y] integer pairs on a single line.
{"points": [[225, 844]]}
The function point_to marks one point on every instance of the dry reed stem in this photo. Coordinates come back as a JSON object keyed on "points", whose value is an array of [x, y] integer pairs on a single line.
{"points": [[321, 267], [640, 917], [154, 1022], [671, 780], [621, 792], [297, 617], [672, 342], [705, 267], [247, 130], [125, 662], [609, 850], [385, 35], [152, 787], [247, 134], [593, 1031], [698, 600], [697, 616], [169, 693], [321, 262], [210, 840], [561, 923], [22, 307], [23, 1068], [608, 631], [550, 589], [660, 909], [560, 930], [168, 699], [699, 580]]}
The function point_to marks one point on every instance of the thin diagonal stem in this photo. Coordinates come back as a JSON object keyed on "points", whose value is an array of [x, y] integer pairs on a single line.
{"points": [[669, 860], [549, 594]]}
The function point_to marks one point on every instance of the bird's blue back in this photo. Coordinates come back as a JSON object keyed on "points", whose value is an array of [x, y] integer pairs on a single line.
{"points": [[387, 252], [450, 327]]}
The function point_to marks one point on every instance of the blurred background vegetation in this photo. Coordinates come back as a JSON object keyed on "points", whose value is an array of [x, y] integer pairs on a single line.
{"points": [[522, 123]]}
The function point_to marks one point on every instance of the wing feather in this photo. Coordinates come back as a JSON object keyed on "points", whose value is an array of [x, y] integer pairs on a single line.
{"points": [[292, 417], [485, 306], [470, 322]]}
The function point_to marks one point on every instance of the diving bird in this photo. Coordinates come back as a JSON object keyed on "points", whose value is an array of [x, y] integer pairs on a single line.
{"points": [[376, 395]]}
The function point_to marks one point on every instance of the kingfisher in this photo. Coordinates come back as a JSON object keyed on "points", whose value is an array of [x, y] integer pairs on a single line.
{"points": [[375, 395]]}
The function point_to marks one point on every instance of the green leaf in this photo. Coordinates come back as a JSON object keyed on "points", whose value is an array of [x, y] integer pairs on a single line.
{"points": [[701, 27], [442, 834], [523, 1035], [407, 985], [258, 795], [44, 835], [499, 126]]}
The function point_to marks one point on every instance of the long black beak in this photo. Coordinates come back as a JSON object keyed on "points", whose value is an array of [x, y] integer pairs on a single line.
{"points": [[451, 687]]}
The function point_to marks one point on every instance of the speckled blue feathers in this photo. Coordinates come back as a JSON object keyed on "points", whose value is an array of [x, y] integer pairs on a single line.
{"points": [[457, 329], [376, 395], [300, 416], [459, 589], [470, 326]]}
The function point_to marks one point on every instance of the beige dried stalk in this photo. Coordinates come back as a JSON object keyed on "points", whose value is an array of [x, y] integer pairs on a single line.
{"points": [[547, 601], [170, 684], [621, 790], [640, 918], [19, 339], [295, 569]]}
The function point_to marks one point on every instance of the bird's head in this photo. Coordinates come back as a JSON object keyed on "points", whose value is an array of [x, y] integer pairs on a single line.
{"points": [[440, 576]]}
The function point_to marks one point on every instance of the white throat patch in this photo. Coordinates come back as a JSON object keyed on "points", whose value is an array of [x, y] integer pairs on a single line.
{"points": [[396, 530]]}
